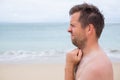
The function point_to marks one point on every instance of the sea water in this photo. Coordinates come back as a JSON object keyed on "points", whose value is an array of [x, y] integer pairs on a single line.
{"points": [[48, 42]]}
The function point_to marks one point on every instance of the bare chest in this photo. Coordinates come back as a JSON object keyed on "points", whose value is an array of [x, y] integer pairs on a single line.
{"points": [[80, 69], [83, 66]]}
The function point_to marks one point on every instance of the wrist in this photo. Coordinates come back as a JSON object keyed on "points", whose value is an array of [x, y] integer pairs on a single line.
{"points": [[69, 66], [69, 69]]}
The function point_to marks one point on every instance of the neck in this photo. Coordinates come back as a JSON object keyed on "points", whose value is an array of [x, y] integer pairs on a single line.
{"points": [[90, 48]]}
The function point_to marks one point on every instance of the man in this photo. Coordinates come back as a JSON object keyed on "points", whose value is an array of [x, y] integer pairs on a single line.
{"points": [[88, 61]]}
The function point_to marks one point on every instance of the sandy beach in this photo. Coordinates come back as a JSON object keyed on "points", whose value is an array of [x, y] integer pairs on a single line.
{"points": [[31, 71], [116, 70], [40, 71]]}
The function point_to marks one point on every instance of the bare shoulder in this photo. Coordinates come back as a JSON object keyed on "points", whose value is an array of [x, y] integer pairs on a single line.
{"points": [[100, 68]]}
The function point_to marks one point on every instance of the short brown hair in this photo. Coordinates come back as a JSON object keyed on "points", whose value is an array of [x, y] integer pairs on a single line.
{"points": [[90, 14]]}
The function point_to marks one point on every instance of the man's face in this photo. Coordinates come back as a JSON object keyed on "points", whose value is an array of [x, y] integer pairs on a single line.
{"points": [[78, 35]]}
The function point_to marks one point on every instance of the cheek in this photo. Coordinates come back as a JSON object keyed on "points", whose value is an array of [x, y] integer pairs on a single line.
{"points": [[78, 32], [73, 31], [81, 34]]}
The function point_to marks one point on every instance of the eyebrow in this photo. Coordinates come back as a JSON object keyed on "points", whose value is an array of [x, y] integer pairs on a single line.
{"points": [[73, 24]]}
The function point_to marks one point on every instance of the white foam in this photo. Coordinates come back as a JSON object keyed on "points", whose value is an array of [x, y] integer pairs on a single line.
{"points": [[47, 55], [29, 56]]}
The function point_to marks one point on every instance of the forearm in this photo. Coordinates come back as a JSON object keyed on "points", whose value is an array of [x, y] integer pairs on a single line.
{"points": [[69, 73], [72, 59]]}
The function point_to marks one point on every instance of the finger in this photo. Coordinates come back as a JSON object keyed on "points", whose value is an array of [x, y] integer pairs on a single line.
{"points": [[79, 54], [75, 51]]}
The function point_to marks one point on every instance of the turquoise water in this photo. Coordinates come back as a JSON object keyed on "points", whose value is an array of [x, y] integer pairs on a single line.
{"points": [[30, 36], [28, 40], [111, 36]]}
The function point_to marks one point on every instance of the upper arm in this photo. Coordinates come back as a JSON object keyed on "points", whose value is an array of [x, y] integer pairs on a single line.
{"points": [[96, 70]]}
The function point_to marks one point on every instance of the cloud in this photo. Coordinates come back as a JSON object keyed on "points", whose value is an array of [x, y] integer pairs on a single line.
{"points": [[50, 10], [33, 10]]}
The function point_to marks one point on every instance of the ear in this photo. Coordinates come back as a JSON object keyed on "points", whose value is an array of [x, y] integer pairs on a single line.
{"points": [[90, 29]]}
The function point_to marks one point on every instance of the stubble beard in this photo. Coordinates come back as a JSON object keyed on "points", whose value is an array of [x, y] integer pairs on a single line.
{"points": [[80, 42]]}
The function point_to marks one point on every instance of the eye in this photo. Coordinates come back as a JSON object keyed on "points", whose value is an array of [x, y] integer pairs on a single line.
{"points": [[72, 25]]}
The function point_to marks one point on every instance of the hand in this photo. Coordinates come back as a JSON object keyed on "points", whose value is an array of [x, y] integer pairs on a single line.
{"points": [[73, 58]]}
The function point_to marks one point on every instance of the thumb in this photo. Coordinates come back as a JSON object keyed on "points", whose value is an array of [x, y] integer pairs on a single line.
{"points": [[79, 54]]}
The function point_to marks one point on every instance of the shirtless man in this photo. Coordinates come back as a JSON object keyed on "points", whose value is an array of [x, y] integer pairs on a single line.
{"points": [[88, 61]]}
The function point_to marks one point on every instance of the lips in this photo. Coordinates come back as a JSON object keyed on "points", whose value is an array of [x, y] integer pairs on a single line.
{"points": [[72, 35]]}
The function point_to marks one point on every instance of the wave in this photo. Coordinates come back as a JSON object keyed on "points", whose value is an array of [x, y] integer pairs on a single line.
{"points": [[30, 56], [113, 54], [39, 53], [46, 55]]}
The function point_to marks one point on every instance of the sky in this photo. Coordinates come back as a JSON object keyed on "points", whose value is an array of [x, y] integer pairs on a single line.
{"points": [[53, 10]]}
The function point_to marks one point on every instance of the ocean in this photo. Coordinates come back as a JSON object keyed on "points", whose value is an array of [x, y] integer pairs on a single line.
{"points": [[48, 42]]}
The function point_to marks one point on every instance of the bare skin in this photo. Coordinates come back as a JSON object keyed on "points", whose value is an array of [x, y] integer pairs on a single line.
{"points": [[89, 59], [72, 59]]}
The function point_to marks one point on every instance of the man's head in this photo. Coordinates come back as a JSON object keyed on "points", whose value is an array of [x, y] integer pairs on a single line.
{"points": [[82, 17]]}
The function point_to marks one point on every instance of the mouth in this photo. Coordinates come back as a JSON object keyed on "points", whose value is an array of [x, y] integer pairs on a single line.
{"points": [[72, 35]]}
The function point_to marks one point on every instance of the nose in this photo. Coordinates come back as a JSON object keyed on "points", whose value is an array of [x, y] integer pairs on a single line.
{"points": [[69, 29]]}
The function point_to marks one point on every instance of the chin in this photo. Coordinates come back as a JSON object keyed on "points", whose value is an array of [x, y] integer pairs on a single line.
{"points": [[74, 43]]}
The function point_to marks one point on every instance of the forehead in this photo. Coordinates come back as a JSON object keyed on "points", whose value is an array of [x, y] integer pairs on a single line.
{"points": [[75, 17]]}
